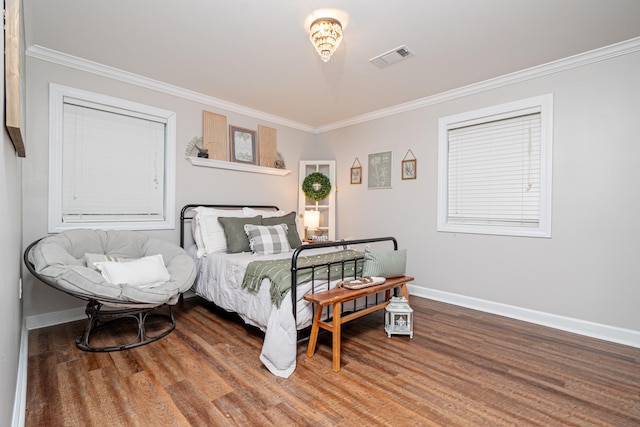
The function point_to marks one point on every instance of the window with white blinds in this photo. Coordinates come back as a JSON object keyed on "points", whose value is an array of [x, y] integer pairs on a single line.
{"points": [[112, 163], [495, 170]]}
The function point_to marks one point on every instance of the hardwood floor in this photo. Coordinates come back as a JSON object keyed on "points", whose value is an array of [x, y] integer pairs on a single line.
{"points": [[462, 368]]}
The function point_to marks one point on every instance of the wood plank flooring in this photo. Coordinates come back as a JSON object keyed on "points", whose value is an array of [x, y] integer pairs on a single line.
{"points": [[462, 368]]}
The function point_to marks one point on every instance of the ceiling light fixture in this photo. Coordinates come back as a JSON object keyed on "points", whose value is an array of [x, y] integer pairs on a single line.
{"points": [[326, 35]]}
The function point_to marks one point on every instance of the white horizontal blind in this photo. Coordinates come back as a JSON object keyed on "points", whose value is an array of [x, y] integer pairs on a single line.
{"points": [[494, 171], [113, 164]]}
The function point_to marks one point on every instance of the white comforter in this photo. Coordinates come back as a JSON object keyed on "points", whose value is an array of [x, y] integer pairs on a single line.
{"points": [[220, 281]]}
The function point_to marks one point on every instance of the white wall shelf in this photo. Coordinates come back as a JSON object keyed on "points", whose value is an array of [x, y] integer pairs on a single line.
{"points": [[222, 164]]}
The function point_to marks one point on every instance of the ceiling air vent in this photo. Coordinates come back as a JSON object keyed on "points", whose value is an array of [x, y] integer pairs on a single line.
{"points": [[391, 57]]}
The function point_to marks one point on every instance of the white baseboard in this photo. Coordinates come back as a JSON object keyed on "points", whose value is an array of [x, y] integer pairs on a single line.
{"points": [[577, 326], [581, 327], [38, 321], [20, 399]]}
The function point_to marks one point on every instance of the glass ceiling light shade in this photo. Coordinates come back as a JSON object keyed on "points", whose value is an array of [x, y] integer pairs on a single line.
{"points": [[326, 35]]}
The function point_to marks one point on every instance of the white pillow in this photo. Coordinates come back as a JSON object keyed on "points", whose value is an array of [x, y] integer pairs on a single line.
{"points": [[209, 234], [195, 231], [142, 273], [264, 213]]}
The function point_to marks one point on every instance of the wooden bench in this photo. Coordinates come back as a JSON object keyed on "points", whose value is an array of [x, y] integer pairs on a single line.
{"points": [[337, 297]]}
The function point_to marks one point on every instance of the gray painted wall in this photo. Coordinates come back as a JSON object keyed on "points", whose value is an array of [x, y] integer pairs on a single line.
{"points": [[10, 261], [588, 270], [193, 184], [585, 271]]}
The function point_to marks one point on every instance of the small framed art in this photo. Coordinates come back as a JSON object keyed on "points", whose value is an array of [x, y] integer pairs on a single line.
{"points": [[356, 175], [243, 145], [409, 169], [356, 172]]}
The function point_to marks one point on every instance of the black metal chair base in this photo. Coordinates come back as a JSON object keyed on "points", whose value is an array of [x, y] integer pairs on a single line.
{"points": [[101, 318]]}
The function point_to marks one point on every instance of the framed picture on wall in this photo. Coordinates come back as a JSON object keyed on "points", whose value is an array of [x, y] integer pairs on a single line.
{"points": [[14, 62], [356, 172], [409, 169], [409, 166], [243, 145], [356, 175], [379, 175]]}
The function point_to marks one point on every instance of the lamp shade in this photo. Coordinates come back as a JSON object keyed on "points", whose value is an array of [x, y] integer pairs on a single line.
{"points": [[312, 219]]}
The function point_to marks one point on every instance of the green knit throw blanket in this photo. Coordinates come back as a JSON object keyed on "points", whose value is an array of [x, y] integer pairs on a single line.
{"points": [[279, 271]]}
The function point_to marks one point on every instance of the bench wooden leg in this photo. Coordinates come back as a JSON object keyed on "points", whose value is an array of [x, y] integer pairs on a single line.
{"points": [[315, 328], [325, 299], [337, 326], [405, 293]]}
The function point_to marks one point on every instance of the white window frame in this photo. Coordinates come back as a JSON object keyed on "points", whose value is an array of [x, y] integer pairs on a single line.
{"points": [[57, 93], [545, 104]]}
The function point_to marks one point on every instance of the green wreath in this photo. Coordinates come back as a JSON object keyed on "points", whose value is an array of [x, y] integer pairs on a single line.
{"points": [[316, 186]]}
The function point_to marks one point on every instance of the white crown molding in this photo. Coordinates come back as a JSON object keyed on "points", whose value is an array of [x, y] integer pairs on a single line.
{"points": [[71, 61], [579, 60], [568, 324]]}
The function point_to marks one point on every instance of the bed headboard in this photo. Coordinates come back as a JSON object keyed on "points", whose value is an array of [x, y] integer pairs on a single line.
{"points": [[186, 215]]}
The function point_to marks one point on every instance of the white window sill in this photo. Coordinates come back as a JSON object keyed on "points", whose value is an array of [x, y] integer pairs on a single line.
{"points": [[222, 164]]}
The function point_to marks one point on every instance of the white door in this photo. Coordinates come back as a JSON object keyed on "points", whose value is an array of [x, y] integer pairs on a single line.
{"points": [[326, 207]]}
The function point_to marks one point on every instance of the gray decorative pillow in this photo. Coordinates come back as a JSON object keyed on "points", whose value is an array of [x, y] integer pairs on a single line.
{"points": [[384, 263], [290, 220], [267, 239], [237, 240]]}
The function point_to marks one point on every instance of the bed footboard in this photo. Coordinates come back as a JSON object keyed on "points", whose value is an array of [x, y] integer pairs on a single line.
{"points": [[321, 271]]}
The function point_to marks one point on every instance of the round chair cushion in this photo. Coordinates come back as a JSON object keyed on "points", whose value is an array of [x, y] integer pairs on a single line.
{"points": [[59, 260]]}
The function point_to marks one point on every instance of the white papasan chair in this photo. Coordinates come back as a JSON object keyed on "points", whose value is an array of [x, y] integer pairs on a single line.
{"points": [[130, 259]]}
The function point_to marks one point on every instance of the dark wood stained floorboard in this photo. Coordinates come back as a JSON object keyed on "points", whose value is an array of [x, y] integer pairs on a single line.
{"points": [[462, 368]]}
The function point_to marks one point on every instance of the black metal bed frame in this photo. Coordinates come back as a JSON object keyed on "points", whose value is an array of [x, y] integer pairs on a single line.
{"points": [[296, 253], [345, 244]]}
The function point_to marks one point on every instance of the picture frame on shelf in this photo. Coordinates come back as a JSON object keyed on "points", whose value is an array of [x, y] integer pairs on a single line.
{"points": [[243, 145], [409, 169]]}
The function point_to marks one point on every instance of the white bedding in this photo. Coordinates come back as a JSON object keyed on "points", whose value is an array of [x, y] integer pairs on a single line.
{"points": [[219, 280]]}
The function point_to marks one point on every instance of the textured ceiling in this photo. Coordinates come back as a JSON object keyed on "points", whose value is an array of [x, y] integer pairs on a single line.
{"points": [[256, 53]]}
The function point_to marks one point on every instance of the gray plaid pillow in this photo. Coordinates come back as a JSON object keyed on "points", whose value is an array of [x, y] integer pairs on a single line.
{"points": [[267, 239]]}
